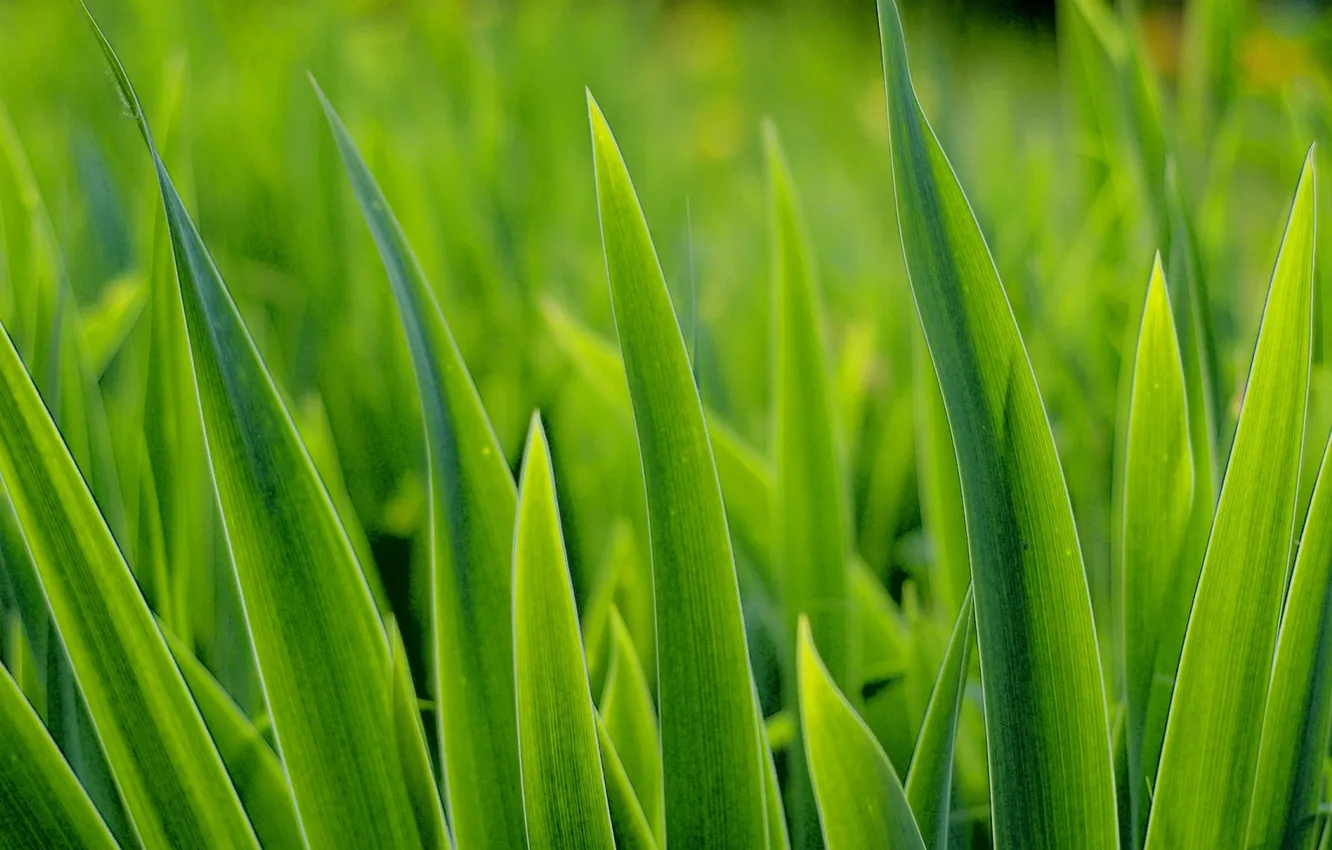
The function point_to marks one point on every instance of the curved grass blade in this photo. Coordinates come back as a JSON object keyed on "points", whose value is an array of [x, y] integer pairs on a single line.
{"points": [[41, 801], [630, 720], [778, 837], [940, 487], [260, 780], [322, 651], [929, 783], [711, 753], [473, 503], [1203, 790], [1158, 574], [1298, 717], [564, 794], [860, 799], [1049, 740], [628, 823]]}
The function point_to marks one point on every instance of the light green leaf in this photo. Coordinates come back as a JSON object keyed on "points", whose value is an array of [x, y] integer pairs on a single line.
{"points": [[110, 320], [940, 487], [473, 503], [929, 782], [1049, 740], [41, 801], [628, 822], [1158, 572], [1204, 791], [323, 654], [422, 788], [711, 749], [778, 837], [564, 794], [260, 780], [626, 709], [860, 799], [1298, 717]]}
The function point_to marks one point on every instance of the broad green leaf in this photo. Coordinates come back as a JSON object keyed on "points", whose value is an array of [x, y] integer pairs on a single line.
{"points": [[564, 794], [260, 780], [472, 507], [41, 801], [1299, 704], [422, 788], [1158, 572], [929, 783], [628, 822], [809, 526], [627, 711], [1204, 791], [322, 652], [711, 754], [746, 479], [940, 488], [861, 802], [1049, 740]]}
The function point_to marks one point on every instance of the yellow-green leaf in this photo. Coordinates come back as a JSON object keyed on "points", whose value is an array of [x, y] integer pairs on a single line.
{"points": [[627, 711], [1205, 782], [628, 823], [564, 793]]}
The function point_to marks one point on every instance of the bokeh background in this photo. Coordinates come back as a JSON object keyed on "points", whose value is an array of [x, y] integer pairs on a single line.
{"points": [[473, 117]]}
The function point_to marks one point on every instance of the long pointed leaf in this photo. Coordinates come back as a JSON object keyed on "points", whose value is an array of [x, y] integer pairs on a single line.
{"points": [[1205, 783], [711, 751], [564, 794], [626, 708], [1051, 775]]}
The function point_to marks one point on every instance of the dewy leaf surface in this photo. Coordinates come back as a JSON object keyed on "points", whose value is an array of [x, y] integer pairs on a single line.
{"points": [[41, 801], [860, 799], [1159, 575], [323, 654], [473, 503], [711, 753], [1050, 769], [1299, 704], [929, 784], [1205, 783], [564, 794]]}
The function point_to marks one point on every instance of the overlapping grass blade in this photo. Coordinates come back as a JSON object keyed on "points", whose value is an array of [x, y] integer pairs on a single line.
{"points": [[929, 783], [1205, 781], [940, 487], [473, 503], [422, 789], [627, 712], [861, 802], [564, 794], [1298, 717], [1051, 774], [628, 823], [1159, 572], [778, 836], [260, 780], [41, 801], [711, 751], [322, 651]]}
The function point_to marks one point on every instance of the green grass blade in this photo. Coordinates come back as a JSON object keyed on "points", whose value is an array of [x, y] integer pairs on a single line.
{"points": [[929, 783], [940, 487], [628, 823], [108, 323], [1159, 575], [627, 711], [260, 780], [711, 752], [413, 751], [41, 801], [564, 794], [473, 503], [1299, 704], [322, 651], [778, 837], [1049, 740], [860, 799], [1204, 790]]}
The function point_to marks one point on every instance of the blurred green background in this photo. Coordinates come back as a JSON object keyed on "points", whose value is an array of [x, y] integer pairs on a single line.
{"points": [[472, 116]]}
